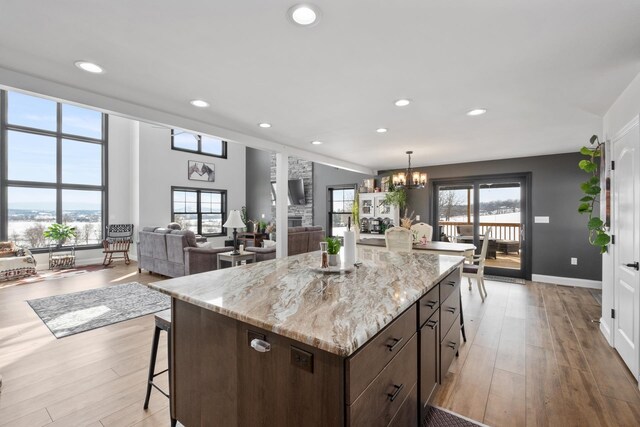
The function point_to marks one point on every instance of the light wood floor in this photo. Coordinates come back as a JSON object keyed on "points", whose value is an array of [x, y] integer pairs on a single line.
{"points": [[532, 357]]}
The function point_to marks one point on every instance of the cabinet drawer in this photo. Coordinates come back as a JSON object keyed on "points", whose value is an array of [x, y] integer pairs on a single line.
{"points": [[366, 363], [449, 348], [449, 283], [407, 414], [428, 304], [385, 395], [429, 359], [449, 311]]}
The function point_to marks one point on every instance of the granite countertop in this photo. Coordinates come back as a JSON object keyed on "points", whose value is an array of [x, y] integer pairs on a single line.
{"points": [[337, 313]]}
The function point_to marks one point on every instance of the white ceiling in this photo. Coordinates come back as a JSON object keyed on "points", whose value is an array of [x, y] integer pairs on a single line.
{"points": [[547, 70]]}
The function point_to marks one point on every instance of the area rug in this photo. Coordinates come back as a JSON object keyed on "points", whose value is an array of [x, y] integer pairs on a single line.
{"points": [[53, 275], [77, 312], [438, 417], [505, 279]]}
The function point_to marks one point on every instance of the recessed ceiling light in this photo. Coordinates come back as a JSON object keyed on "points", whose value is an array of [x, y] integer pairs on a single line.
{"points": [[89, 67], [304, 14], [402, 102], [477, 112], [317, 142], [381, 130], [264, 125], [199, 103]]}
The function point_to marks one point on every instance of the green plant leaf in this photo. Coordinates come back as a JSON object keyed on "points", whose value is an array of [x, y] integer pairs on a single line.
{"points": [[593, 139], [602, 239], [595, 223], [594, 190], [584, 207], [586, 199], [587, 165], [586, 151], [595, 180]]}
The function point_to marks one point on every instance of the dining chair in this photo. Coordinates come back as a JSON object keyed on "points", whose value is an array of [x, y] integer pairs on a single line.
{"points": [[422, 229], [398, 239], [476, 269]]}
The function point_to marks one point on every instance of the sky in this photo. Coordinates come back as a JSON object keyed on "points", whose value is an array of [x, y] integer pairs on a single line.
{"points": [[32, 157]]}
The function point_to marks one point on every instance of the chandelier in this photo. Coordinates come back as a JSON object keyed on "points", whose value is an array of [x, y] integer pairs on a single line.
{"points": [[409, 179]]}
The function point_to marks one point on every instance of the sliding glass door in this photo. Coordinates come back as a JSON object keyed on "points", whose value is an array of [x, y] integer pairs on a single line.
{"points": [[468, 210]]}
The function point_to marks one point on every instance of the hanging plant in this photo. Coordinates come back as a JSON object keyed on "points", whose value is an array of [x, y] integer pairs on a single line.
{"points": [[598, 235]]}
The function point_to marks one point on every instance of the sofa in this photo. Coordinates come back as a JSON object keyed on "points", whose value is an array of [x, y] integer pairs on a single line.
{"points": [[175, 253], [15, 262], [299, 241]]}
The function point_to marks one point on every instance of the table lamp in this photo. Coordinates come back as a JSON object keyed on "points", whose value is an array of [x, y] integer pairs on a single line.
{"points": [[234, 221]]}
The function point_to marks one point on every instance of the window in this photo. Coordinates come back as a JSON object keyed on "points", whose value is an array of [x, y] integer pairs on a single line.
{"points": [[340, 202], [201, 144], [54, 155], [198, 210]]}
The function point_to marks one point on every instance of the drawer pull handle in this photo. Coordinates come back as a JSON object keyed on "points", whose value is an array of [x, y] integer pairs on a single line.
{"points": [[260, 346], [451, 345], [396, 341], [392, 396], [431, 303], [432, 324], [451, 283], [450, 309]]}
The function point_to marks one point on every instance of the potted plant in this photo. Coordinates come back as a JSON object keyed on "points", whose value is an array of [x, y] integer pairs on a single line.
{"points": [[396, 197], [598, 235], [59, 233], [333, 248]]}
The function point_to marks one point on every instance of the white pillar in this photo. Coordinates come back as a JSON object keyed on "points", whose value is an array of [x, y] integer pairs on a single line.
{"points": [[282, 209]]}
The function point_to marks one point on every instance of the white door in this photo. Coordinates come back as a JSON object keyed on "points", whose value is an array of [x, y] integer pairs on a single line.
{"points": [[626, 206]]}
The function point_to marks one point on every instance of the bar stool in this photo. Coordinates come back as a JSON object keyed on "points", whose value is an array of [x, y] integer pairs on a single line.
{"points": [[163, 323]]}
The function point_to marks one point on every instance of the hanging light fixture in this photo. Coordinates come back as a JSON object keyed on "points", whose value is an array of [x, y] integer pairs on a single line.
{"points": [[409, 179]]}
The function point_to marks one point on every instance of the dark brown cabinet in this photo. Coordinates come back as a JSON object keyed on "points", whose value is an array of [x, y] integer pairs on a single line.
{"points": [[429, 359], [218, 379]]}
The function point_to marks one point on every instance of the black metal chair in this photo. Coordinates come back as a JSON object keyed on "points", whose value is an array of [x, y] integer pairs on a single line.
{"points": [[163, 323], [118, 241]]}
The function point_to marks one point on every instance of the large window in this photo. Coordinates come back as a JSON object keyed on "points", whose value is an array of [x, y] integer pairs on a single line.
{"points": [[340, 202], [201, 211], [52, 169], [201, 144]]}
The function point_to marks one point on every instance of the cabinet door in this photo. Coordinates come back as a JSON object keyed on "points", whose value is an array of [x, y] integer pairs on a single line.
{"points": [[429, 363]]}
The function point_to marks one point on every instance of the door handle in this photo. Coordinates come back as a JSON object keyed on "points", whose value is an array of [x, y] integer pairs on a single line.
{"points": [[396, 341], [260, 346], [635, 265]]}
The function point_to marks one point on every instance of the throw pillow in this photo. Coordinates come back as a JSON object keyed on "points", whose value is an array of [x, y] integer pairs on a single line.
{"points": [[205, 245]]}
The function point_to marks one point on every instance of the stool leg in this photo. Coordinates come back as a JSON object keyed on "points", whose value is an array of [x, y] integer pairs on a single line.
{"points": [[152, 364], [464, 336], [169, 350]]}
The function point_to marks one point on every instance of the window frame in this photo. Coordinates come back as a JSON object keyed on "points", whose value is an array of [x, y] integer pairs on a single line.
{"points": [[58, 185], [199, 213], [330, 212], [199, 149]]}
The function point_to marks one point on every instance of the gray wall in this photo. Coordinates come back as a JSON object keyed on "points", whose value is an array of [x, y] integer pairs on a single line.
{"points": [[326, 176], [259, 186], [555, 193]]}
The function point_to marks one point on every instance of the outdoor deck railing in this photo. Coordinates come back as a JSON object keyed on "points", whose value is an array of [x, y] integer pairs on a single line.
{"points": [[501, 230]]}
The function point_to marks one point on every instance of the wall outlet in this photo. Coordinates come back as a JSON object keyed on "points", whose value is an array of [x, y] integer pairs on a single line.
{"points": [[574, 261], [417, 217], [541, 219]]}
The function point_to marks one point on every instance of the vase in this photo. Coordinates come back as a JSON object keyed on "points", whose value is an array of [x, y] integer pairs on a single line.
{"points": [[334, 260]]}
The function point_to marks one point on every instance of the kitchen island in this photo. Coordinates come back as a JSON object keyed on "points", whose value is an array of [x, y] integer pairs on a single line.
{"points": [[277, 343]]}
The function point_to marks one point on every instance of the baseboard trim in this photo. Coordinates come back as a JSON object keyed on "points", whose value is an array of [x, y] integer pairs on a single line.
{"points": [[567, 281], [604, 329]]}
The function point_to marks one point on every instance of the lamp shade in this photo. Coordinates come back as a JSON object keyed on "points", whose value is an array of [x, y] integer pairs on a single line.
{"points": [[234, 220]]}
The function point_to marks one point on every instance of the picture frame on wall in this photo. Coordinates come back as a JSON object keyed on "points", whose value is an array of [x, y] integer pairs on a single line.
{"points": [[367, 185], [201, 171], [385, 183]]}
